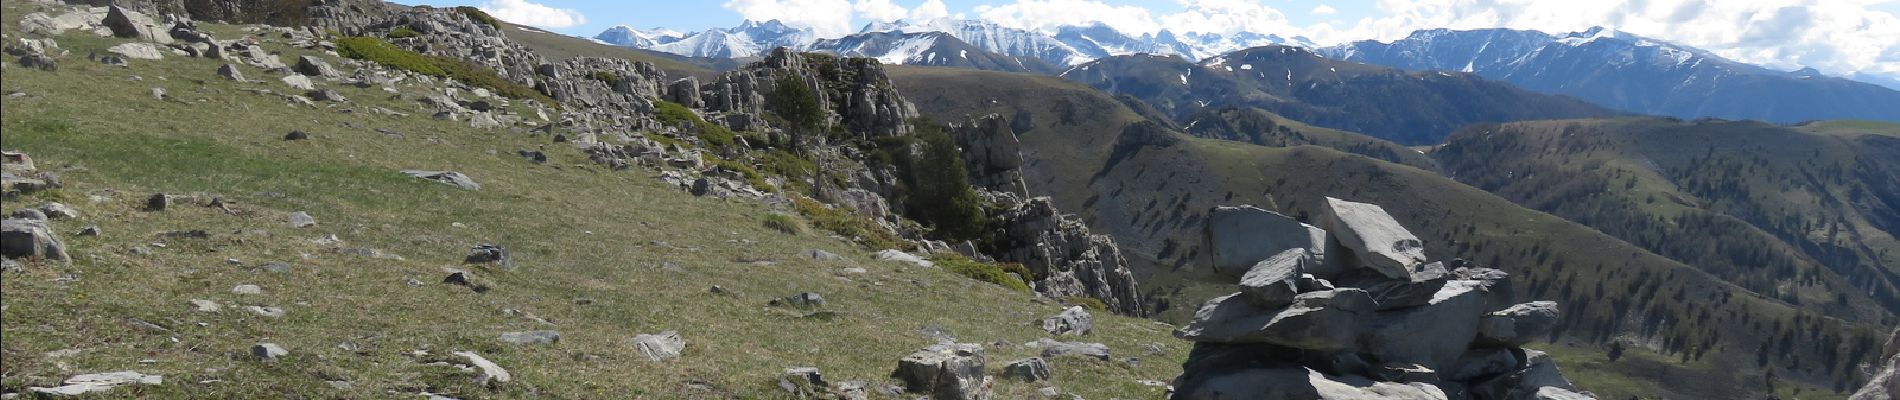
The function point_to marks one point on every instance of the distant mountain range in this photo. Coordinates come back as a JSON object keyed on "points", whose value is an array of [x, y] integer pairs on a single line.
{"points": [[1633, 73]]}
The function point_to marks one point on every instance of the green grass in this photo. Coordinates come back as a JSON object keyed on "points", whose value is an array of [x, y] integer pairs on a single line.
{"points": [[986, 272], [478, 15], [589, 244], [844, 223], [381, 52], [677, 115], [785, 223]]}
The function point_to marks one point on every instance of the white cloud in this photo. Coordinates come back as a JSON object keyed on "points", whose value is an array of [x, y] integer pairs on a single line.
{"points": [[827, 18], [931, 9], [1047, 14], [1324, 10], [533, 14], [880, 10]]}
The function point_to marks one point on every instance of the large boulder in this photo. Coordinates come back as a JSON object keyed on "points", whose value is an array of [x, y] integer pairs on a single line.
{"points": [[1052, 349], [1073, 320], [30, 238], [1518, 324], [1433, 335], [1326, 321], [1376, 240], [143, 51], [659, 347], [134, 25], [1417, 290], [1272, 283], [1240, 237], [1539, 371], [312, 66], [488, 373], [949, 371], [1299, 383]]}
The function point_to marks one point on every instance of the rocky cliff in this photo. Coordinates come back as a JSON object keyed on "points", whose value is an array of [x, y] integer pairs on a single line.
{"points": [[1352, 309]]}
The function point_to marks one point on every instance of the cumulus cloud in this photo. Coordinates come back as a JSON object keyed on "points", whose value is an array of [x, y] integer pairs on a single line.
{"points": [[1048, 14], [1324, 10], [880, 10], [931, 9], [828, 18], [528, 13]]}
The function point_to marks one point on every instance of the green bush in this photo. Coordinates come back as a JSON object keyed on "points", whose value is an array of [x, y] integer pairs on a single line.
{"points": [[844, 223], [674, 114], [751, 175], [402, 32], [796, 103], [611, 79], [785, 223], [1091, 303], [478, 15], [381, 52], [940, 193], [991, 273]]}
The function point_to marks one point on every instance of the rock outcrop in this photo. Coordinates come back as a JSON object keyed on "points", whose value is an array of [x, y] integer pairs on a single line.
{"points": [[950, 371], [1381, 323], [991, 154], [1886, 380], [1064, 257]]}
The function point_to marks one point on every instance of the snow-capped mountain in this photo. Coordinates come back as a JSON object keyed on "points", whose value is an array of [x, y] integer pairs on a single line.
{"points": [[1061, 47], [749, 39], [628, 36], [926, 48], [1631, 72]]}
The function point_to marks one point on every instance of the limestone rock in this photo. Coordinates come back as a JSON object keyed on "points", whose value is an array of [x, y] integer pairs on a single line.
{"points": [[1063, 256], [1297, 383], [1073, 320], [312, 66], [299, 82], [1031, 369], [950, 371], [143, 51], [134, 25], [489, 254], [491, 374], [31, 239], [907, 258], [1433, 335], [1376, 240], [530, 337], [268, 352], [1052, 349], [1325, 321], [659, 347], [101, 382], [1273, 282], [801, 300], [803, 382], [302, 219], [56, 210], [1518, 324], [447, 177], [1885, 383], [1539, 371], [1242, 236]]}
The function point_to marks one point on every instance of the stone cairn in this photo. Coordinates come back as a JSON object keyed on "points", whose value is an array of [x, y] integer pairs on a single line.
{"points": [[1354, 310]]}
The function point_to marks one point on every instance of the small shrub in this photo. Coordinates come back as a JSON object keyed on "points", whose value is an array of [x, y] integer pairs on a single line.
{"points": [[751, 176], [611, 79], [785, 223], [674, 114], [402, 32], [1020, 270], [478, 15], [1091, 303], [991, 273], [846, 224]]}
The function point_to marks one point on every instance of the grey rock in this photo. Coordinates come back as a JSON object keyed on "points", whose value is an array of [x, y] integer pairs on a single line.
{"points": [[1425, 282], [115, 61], [142, 51], [1557, 393], [491, 374], [29, 214], [100, 382], [1052, 349], [205, 305], [901, 256], [312, 66], [1539, 371], [1325, 321], [271, 312], [489, 254], [1376, 240], [1241, 237], [1273, 282], [56, 210], [1296, 383], [299, 82], [1482, 362], [949, 371], [134, 25], [159, 94], [329, 95], [268, 352], [801, 300], [446, 177], [659, 347], [1074, 320], [247, 289], [1031, 369], [302, 219], [531, 337], [803, 382], [89, 230], [1518, 324], [1885, 384], [1433, 335], [38, 61], [230, 71], [30, 239], [820, 255]]}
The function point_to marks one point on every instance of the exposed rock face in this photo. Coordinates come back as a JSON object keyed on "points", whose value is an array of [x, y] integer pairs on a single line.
{"points": [[1064, 257], [659, 347], [1387, 325], [31, 239], [1886, 381], [1073, 320], [991, 154], [855, 89], [1241, 236], [946, 371]]}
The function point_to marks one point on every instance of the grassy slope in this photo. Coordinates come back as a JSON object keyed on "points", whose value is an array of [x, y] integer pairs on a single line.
{"points": [[1249, 125], [585, 239], [1152, 202], [556, 47]]}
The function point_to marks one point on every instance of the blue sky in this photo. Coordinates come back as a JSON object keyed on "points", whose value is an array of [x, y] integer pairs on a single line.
{"points": [[1839, 37]]}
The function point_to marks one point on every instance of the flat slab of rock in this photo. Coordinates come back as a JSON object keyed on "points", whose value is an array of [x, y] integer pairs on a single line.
{"points": [[907, 258], [949, 371], [1302, 383], [1243, 236], [446, 177], [1031, 369], [659, 347], [1433, 335], [1518, 324], [90, 383], [491, 374], [1325, 321], [1376, 240], [1272, 283], [531, 337], [1052, 349]]}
